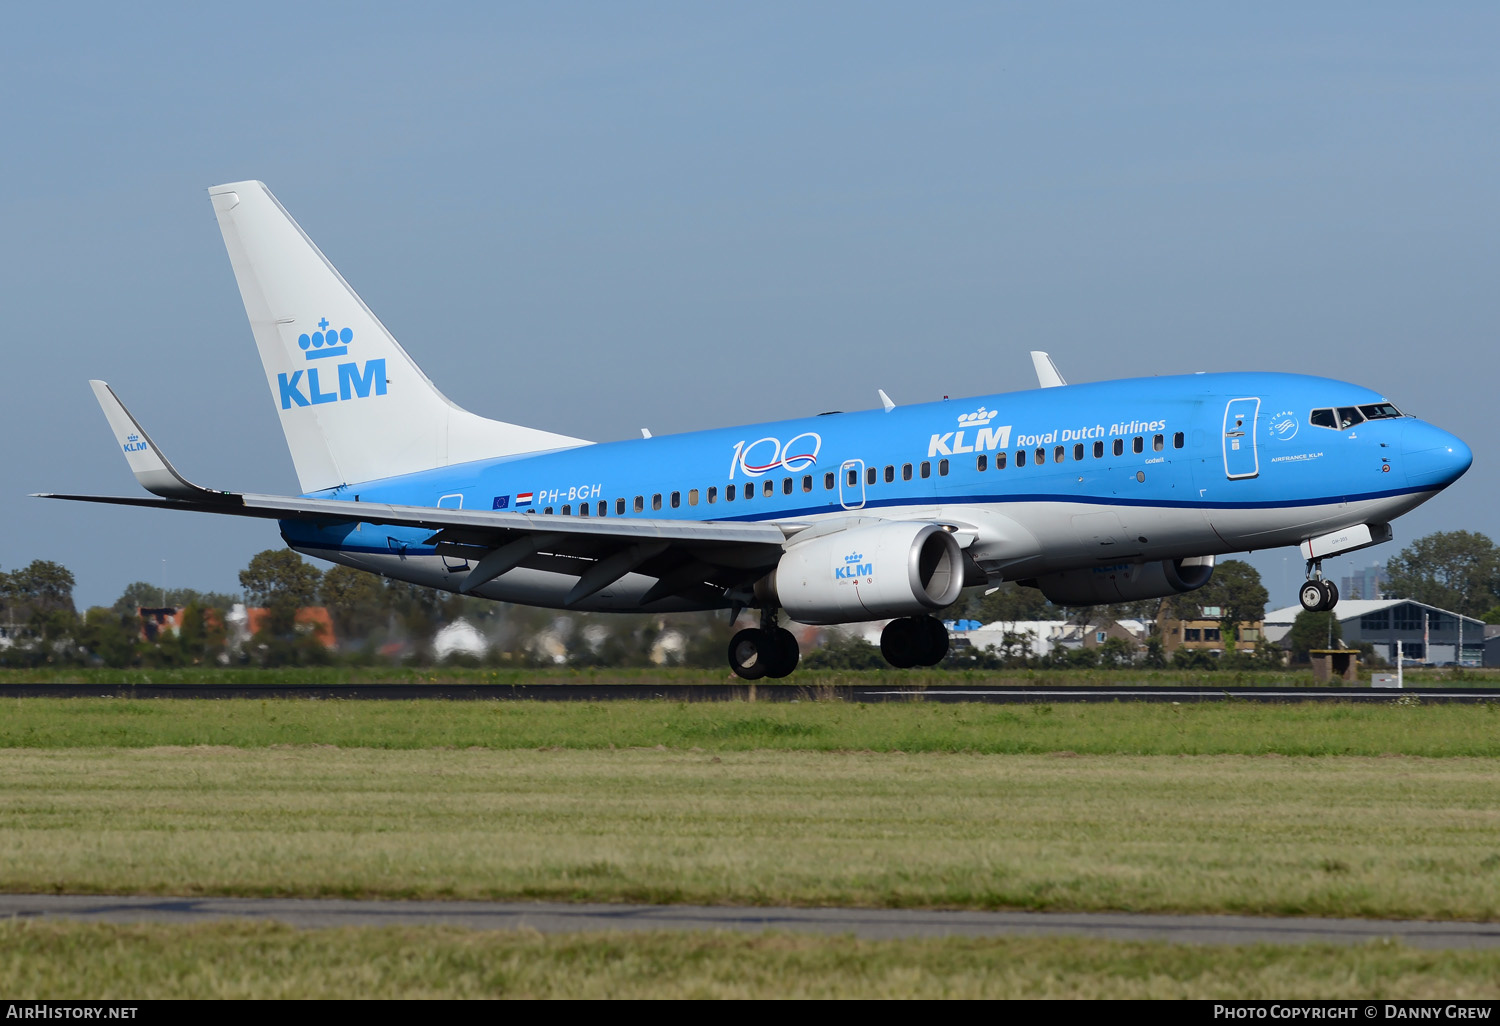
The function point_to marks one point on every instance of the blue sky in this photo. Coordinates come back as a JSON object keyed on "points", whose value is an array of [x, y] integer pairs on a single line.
{"points": [[591, 217]]}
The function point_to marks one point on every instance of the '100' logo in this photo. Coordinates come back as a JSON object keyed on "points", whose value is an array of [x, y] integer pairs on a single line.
{"points": [[764, 455]]}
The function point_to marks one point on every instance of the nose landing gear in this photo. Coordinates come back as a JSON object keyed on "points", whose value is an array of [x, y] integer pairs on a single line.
{"points": [[1318, 595], [764, 651]]}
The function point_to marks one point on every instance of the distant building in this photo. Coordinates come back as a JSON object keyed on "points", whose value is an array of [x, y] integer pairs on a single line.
{"points": [[1206, 633], [1426, 633], [1364, 584], [245, 622]]}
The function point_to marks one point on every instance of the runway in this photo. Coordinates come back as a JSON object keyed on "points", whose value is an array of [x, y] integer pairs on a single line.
{"points": [[779, 692], [867, 924]]}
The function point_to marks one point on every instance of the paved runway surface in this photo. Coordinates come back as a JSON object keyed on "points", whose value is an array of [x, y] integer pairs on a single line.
{"points": [[870, 924], [747, 692]]}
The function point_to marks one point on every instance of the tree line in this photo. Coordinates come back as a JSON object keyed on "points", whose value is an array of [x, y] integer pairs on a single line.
{"points": [[375, 619]]}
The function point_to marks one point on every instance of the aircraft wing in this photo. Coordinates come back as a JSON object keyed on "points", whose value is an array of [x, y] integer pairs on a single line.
{"points": [[688, 557]]}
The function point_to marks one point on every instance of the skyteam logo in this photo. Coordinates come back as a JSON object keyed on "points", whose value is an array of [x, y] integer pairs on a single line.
{"points": [[1283, 426], [854, 568], [355, 381], [986, 438]]}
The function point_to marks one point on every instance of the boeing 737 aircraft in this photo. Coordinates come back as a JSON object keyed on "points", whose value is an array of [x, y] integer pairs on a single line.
{"points": [[1093, 493]]}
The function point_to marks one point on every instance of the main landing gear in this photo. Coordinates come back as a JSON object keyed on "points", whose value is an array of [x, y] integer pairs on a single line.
{"points": [[764, 651], [1318, 595], [914, 641]]}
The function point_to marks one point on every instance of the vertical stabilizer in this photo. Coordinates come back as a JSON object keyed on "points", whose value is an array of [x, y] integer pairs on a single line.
{"points": [[352, 403]]}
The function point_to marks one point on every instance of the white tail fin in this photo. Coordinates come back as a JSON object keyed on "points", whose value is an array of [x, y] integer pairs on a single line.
{"points": [[353, 405]]}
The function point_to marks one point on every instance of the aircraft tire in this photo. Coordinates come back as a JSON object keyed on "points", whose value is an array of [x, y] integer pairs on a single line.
{"points": [[786, 655], [900, 643], [748, 652], [1333, 595], [934, 640], [1312, 596]]}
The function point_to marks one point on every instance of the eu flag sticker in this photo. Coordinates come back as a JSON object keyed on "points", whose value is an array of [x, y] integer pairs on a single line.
{"points": [[501, 502]]}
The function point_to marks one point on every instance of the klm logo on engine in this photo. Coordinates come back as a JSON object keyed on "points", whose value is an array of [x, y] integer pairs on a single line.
{"points": [[853, 569], [354, 380], [986, 438]]}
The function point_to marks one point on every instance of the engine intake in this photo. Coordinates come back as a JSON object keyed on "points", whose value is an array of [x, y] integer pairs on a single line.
{"points": [[1126, 582], [869, 572]]}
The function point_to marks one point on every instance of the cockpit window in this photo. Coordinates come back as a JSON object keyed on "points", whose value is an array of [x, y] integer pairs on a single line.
{"points": [[1324, 418], [1380, 411], [1349, 416]]}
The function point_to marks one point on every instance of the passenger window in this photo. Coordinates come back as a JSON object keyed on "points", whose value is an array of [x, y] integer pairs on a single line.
{"points": [[1159, 443], [769, 487], [926, 469], [1020, 457], [942, 468], [999, 461], [870, 474], [1059, 453], [656, 501], [747, 492], [1323, 418], [640, 503], [980, 462], [828, 481], [729, 493], [676, 500], [568, 510], [853, 477], [1177, 440], [583, 509], [1078, 451], [1098, 450], [1119, 447], [619, 507], [1041, 456], [1349, 416], [604, 507], [692, 496], [786, 486], [906, 471], [547, 511], [890, 473], [1138, 445], [807, 482], [713, 495]]}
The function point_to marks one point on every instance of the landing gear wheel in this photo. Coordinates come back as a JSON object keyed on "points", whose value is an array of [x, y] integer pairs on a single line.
{"points": [[934, 640], [747, 654], [900, 643], [1333, 595], [1311, 596], [782, 652]]}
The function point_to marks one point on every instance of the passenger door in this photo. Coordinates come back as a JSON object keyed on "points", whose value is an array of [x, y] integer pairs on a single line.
{"points": [[1240, 457]]}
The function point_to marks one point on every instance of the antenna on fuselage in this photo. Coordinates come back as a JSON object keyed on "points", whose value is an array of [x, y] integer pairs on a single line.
{"points": [[885, 400], [1047, 375]]}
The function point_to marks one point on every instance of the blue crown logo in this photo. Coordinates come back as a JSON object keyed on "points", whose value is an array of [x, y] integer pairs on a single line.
{"points": [[323, 343], [854, 558]]}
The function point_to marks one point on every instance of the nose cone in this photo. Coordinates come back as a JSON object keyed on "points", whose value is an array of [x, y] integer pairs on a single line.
{"points": [[1433, 458]]}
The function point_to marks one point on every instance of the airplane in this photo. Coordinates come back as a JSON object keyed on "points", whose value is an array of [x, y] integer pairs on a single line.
{"points": [[1094, 493]]}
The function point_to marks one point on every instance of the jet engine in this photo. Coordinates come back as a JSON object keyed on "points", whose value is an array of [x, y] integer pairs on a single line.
{"points": [[869, 572], [1125, 582]]}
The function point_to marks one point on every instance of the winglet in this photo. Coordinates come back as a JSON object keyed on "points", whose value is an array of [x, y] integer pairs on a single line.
{"points": [[1047, 375], [149, 466]]}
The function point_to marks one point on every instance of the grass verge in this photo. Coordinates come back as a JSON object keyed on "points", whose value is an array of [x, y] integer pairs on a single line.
{"points": [[1210, 728], [40, 960], [1375, 837]]}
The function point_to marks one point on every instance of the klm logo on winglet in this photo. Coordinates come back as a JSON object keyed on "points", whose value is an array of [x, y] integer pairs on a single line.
{"points": [[355, 381], [133, 443]]}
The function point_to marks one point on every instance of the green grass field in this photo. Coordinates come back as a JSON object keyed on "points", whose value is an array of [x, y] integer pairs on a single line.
{"points": [[1389, 810], [254, 960]]}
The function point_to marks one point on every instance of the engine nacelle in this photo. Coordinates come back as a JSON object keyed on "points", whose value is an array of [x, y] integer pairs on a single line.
{"points": [[868, 573], [1126, 582]]}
